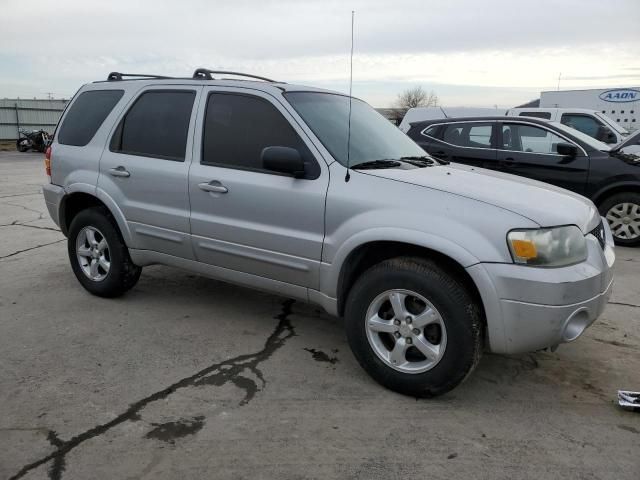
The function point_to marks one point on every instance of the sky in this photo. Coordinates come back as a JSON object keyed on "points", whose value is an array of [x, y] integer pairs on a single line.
{"points": [[470, 53]]}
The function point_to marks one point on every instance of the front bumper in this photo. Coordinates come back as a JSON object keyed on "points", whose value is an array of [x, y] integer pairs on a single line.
{"points": [[530, 308]]}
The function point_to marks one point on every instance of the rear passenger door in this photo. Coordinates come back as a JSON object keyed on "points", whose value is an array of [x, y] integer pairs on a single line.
{"points": [[471, 143], [243, 217], [530, 150], [145, 168]]}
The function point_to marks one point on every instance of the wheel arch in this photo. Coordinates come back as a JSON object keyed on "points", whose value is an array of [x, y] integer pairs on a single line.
{"points": [[614, 189], [371, 253], [80, 199]]}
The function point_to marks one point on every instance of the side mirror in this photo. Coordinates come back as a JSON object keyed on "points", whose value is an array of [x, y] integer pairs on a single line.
{"points": [[611, 137], [283, 160], [566, 149]]}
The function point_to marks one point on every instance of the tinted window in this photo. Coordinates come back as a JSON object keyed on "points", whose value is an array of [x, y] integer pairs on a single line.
{"points": [[156, 125], [527, 138], [238, 127], [472, 135], [583, 123], [545, 115], [86, 115], [431, 131]]}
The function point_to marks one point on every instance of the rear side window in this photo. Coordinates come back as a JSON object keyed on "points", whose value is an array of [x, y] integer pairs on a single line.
{"points": [[545, 115], [86, 115], [156, 125], [470, 135], [431, 131], [238, 127]]}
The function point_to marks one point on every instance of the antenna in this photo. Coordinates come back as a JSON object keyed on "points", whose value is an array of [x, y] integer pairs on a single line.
{"points": [[559, 77], [347, 177]]}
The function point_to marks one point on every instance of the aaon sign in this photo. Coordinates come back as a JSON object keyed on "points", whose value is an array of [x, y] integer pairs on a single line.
{"points": [[620, 95]]}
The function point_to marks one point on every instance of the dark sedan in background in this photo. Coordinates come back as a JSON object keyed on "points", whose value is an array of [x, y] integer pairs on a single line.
{"points": [[547, 151]]}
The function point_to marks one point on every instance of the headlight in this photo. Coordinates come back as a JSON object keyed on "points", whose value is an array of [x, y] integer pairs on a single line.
{"points": [[548, 247]]}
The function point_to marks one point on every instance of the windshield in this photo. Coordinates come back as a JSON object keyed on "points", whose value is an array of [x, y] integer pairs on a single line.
{"points": [[592, 142], [373, 137], [631, 140], [612, 124]]}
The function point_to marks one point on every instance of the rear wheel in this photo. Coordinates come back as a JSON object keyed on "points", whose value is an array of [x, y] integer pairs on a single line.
{"points": [[99, 258], [622, 212], [413, 327]]}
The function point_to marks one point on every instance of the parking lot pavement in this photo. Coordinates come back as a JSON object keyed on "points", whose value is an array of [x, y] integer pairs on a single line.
{"points": [[186, 377]]}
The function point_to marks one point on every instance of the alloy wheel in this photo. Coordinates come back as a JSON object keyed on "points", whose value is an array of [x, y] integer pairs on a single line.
{"points": [[92, 251], [406, 331]]}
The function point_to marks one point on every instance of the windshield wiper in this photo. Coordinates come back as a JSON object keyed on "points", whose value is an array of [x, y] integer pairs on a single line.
{"points": [[422, 160], [373, 164]]}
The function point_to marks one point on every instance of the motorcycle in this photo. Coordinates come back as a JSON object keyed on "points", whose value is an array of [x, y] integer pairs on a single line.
{"points": [[35, 139]]}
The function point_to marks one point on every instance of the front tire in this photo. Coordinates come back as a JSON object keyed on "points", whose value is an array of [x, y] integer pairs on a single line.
{"points": [[622, 211], [98, 255], [413, 327]]}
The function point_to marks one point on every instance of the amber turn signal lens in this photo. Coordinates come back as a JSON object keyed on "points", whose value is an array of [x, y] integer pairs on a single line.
{"points": [[524, 249]]}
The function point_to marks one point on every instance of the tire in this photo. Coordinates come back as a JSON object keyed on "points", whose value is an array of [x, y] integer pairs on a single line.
{"points": [[622, 211], [20, 147], [459, 324], [121, 275]]}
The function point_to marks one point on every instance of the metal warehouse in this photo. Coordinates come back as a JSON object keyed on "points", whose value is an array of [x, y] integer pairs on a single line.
{"points": [[28, 114]]}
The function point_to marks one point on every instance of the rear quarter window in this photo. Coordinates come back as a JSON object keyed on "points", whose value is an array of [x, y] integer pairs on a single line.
{"points": [[545, 115], [86, 115]]}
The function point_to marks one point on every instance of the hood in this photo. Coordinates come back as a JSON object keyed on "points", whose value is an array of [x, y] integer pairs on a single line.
{"points": [[540, 202]]}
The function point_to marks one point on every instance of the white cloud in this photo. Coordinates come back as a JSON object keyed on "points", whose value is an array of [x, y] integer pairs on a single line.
{"points": [[502, 48]]}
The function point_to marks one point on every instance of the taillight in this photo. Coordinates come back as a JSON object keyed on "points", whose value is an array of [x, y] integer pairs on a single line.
{"points": [[47, 161]]}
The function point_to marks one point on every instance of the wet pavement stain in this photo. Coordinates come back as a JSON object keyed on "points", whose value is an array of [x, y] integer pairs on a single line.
{"points": [[170, 431], [216, 374], [320, 356]]}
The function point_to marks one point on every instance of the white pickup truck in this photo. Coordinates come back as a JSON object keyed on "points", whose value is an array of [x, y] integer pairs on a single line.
{"points": [[591, 122]]}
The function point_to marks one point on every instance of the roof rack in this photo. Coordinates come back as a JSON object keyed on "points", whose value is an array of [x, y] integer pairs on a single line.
{"points": [[205, 74], [116, 76]]}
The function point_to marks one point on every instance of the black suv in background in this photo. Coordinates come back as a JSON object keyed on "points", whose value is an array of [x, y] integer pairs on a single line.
{"points": [[547, 151]]}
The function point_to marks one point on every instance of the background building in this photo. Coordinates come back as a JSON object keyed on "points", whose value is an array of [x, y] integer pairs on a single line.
{"points": [[28, 114]]}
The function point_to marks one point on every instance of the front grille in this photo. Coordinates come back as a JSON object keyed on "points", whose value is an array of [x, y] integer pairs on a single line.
{"points": [[598, 232]]}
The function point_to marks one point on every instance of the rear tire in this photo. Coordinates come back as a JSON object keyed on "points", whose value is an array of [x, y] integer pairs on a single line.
{"points": [[99, 257], [622, 211], [417, 288]]}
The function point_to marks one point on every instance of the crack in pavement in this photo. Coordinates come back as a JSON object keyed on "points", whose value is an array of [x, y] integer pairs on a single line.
{"points": [[32, 248], [21, 195], [16, 224], [625, 304], [216, 374]]}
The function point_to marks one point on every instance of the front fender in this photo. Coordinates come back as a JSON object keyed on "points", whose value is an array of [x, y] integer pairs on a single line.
{"points": [[331, 271]]}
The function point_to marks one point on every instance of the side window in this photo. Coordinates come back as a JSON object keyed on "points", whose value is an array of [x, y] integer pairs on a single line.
{"points": [[527, 138], [156, 125], [86, 116], [238, 127], [583, 123], [545, 115], [431, 131], [480, 135], [471, 135]]}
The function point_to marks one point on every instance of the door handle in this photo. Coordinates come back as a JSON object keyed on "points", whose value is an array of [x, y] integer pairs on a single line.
{"points": [[508, 162], [119, 172], [214, 187]]}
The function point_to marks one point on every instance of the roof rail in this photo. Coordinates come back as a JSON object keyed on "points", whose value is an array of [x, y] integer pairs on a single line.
{"points": [[205, 74], [116, 76]]}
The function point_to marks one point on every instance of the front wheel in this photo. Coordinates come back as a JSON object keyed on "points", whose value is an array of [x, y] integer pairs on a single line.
{"points": [[99, 258], [413, 327], [622, 211]]}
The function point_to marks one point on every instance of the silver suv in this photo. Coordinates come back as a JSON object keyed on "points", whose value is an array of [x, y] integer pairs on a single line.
{"points": [[311, 194]]}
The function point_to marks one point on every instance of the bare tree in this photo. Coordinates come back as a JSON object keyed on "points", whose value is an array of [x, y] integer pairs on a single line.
{"points": [[411, 98]]}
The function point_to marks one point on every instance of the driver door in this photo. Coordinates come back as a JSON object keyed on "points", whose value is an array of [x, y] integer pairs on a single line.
{"points": [[243, 217]]}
